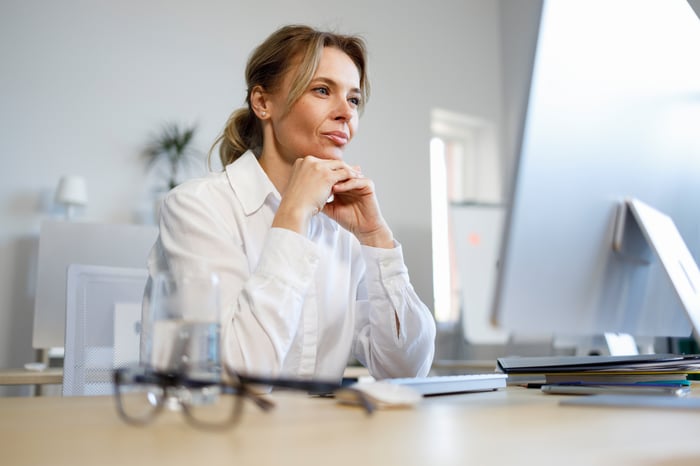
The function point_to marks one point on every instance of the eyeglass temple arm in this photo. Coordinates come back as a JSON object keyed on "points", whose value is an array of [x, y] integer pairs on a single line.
{"points": [[262, 402], [319, 387], [312, 386]]}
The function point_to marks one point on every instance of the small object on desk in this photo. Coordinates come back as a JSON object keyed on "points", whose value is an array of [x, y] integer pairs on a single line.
{"points": [[381, 394], [448, 384], [634, 401], [35, 366]]}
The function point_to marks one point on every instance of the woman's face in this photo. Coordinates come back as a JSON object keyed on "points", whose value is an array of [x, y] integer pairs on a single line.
{"points": [[324, 119]]}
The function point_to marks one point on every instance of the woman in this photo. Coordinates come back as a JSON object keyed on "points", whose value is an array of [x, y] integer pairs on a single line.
{"points": [[310, 272]]}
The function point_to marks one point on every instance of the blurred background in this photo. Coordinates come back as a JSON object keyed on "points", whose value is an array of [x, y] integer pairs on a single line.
{"points": [[86, 86]]}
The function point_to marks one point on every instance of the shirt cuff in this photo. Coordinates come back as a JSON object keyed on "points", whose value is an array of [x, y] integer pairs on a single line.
{"points": [[386, 265]]}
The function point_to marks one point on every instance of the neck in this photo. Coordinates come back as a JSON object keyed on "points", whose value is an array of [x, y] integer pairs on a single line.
{"points": [[276, 169]]}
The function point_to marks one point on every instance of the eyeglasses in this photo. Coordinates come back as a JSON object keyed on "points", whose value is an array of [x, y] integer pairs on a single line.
{"points": [[141, 393]]}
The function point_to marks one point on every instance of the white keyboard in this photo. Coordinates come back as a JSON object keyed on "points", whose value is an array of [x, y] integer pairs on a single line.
{"points": [[444, 384]]}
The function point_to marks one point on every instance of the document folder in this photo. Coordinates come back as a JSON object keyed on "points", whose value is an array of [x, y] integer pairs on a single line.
{"points": [[636, 363]]}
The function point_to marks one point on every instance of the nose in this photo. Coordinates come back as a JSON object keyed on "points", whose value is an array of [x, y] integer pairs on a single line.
{"points": [[343, 110]]}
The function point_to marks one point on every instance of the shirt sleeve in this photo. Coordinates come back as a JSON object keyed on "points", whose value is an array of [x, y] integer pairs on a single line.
{"points": [[395, 330], [260, 309]]}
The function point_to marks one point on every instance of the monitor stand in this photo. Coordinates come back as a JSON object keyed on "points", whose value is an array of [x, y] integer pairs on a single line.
{"points": [[620, 344], [607, 344], [641, 229]]}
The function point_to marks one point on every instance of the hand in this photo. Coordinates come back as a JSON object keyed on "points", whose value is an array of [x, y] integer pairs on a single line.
{"points": [[355, 207], [309, 187]]}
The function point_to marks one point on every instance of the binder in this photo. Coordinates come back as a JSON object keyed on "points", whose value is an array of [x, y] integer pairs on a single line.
{"points": [[641, 363]]}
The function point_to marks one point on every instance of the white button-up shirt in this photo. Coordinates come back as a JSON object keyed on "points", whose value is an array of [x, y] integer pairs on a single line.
{"points": [[293, 305]]}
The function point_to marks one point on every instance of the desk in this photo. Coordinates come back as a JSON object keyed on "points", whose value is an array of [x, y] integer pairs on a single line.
{"points": [[27, 377], [39, 379], [512, 426]]}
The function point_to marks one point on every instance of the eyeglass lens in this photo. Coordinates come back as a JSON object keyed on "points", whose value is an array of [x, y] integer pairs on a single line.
{"points": [[140, 398]]}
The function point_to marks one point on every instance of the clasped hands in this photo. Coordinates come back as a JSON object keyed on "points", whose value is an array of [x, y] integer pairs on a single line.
{"points": [[338, 190]]}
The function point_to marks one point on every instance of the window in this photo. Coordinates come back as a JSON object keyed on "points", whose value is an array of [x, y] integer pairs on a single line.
{"points": [[465, 171]]}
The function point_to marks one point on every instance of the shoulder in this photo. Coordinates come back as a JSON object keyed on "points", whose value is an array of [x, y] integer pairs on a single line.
{"points": [[208, 193], [211, 185], [208, 183]]}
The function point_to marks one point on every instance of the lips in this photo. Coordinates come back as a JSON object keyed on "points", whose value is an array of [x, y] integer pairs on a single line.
{"points": [[339, 138]]}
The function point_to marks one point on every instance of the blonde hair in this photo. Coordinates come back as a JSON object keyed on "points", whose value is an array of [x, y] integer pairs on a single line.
{"points": [[267, 66]]}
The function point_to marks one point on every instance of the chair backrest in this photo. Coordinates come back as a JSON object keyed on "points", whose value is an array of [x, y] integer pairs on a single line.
{"points": [[103, 315]]}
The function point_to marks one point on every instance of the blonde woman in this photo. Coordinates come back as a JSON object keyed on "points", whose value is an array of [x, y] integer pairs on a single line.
{"points": [[311, 274]]}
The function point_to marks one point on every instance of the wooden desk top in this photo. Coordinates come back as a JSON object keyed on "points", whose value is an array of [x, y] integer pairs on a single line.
{"points": [[27, 377], [512, 426]]}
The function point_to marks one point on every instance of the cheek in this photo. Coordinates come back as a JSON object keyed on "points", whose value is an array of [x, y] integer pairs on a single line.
{"points": [[294, 127], [307, 120], [354, 125]]}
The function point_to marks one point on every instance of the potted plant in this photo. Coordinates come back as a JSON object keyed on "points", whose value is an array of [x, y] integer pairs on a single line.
{"points": [[172, 146]]}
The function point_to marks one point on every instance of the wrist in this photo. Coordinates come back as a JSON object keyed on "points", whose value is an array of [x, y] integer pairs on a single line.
{"points": [[380, 238], [292, 219]]}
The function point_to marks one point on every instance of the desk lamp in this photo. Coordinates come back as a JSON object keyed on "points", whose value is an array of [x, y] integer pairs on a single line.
{"points": [[71, 192]]}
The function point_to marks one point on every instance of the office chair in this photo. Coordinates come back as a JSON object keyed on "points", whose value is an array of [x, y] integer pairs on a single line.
{"points": [[103, 316]]}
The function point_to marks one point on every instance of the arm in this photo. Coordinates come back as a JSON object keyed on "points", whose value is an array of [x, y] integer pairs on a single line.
{"points": [[402, 346], [399, 343], [260, 307], [395, 331]]}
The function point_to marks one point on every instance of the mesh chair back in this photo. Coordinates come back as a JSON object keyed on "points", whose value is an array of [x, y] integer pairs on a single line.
{"points": [[103, 314]]}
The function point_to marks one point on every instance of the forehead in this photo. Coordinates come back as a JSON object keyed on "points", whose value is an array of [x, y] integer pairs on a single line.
{"points": [[336, 65]]}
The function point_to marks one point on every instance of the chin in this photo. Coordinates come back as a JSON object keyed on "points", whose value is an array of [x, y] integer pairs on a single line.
{"points": [[328, 155], [325, 151], [335, 154]]}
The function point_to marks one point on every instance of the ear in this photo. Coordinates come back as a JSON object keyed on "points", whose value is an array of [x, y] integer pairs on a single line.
{"points": [[259, 102]]}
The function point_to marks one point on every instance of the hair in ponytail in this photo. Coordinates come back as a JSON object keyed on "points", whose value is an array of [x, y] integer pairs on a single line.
{"points": [[242, 132]]}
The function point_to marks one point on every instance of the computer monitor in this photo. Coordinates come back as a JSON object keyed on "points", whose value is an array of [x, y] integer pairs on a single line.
{"points": [[63, 243], [613, 113]]}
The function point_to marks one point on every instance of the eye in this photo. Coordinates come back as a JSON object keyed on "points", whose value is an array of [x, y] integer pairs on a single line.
{"points": [[355, 101], [321, 90]]}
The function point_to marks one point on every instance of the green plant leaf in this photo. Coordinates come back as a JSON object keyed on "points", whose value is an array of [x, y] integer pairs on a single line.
{"points": [[173, 143]]}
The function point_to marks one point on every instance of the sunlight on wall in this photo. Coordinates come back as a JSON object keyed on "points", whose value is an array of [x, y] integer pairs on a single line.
{"points": [[441, 258]]}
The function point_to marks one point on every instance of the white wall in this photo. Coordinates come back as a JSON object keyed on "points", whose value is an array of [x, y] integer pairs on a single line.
{"points": [[84, 83]]}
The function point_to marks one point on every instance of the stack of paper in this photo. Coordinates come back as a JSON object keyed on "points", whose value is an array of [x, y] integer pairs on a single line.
{"points": [[649, 373]]}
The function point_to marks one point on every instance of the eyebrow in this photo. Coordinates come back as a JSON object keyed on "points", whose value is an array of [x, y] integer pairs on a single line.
{"points": [[333, 83]]}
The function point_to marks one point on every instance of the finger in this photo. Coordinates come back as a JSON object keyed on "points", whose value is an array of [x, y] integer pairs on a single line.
{"points": [[353, 184], [338, 168], [329, 163], [335, 164], [344, 174]]}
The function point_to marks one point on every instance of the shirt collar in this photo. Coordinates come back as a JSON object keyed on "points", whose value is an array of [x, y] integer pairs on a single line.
{"points": [[250, 182]]}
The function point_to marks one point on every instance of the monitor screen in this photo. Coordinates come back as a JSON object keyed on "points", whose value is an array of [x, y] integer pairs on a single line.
{"points": [[613, 113], [64, 243]]}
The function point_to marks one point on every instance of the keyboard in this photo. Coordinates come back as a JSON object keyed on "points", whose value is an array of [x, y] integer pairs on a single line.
{"points": [[446, 384]]}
